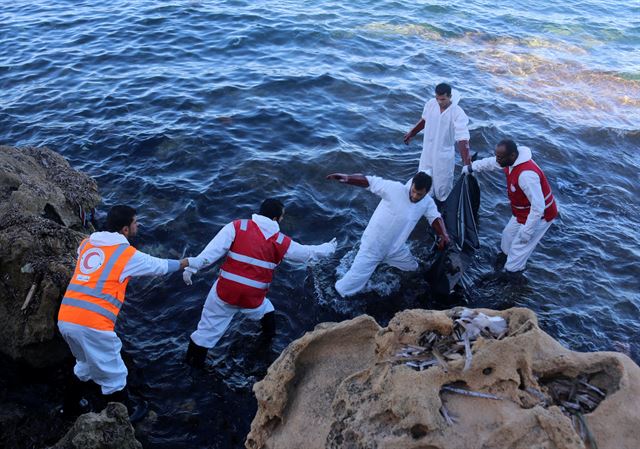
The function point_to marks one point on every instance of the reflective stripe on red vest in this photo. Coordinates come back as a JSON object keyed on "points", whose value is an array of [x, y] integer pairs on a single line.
{"points": [[247, 271], [95, 294], [520, 205]]}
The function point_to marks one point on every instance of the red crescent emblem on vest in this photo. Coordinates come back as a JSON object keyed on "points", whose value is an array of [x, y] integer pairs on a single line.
{"points": [[91, 260]]}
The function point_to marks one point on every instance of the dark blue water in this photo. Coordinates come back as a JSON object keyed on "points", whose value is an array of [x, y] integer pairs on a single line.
{"points": [[195, 111]]}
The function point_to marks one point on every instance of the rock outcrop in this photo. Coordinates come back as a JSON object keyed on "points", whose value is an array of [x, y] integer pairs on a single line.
{"points": [[345, 386], [109, 429], [44, 211]]}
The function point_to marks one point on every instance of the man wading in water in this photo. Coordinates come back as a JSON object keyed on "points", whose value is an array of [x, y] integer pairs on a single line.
{"points": [[253, 248], [444, 124], [532, 203], [384, 239]]}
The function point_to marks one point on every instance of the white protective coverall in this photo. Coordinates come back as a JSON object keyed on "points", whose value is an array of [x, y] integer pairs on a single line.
{"points": [[441, 131], [217, 314], [519, 240], [97, 352], [384, 239]]}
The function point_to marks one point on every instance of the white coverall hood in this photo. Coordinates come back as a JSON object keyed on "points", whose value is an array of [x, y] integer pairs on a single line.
{"points": [[524, 155], [104, 238], [267, 226]]}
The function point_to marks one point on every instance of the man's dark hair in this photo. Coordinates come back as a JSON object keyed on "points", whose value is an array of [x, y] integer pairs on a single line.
{"points": [[271, 208], [119, 216], [443, 89], [422, 181], [510, 146]]}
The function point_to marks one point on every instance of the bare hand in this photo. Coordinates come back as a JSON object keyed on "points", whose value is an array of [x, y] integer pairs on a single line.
{"points": [[443, 241], [407, 138], [340, 177]]}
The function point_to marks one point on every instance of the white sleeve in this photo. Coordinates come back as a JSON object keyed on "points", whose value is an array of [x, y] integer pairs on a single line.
{"points": [[302, 253], [529, 182], [143, 264], [460, 125], [432, 210], [486, 164], [217, 247], [381, 187]]}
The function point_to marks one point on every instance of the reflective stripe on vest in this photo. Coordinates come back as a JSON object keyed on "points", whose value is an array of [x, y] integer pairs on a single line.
{"points": [[252, 260], [82, 304], [280, 238], [243, 225], [546, 206], [243, 280]]}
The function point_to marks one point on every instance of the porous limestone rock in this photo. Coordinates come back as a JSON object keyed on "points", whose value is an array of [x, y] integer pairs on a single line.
{"points": [[341, 386], [42, 200]]}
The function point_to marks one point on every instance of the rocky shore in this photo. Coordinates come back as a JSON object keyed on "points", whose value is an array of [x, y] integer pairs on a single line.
{"points": [[355, 384], [424, 381]]}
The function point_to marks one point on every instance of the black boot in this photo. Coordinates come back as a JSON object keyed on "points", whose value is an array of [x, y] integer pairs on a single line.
{"points": [[74, 403], [196, 355], [501, 259], [268, 322], [137, 409]]}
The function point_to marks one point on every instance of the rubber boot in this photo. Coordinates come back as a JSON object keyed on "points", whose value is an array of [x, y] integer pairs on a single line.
{"points": [[196, 355], [501, 259], [74, 403], [137, 409], [268, 322]]}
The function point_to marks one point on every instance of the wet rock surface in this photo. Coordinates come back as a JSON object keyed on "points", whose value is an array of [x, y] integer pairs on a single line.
{"points": [[342, 386], [45, 211], [109, 429]]}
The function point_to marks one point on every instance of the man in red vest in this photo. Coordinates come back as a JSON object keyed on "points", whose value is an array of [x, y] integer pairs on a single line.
{"points": [[92, 303], [253, 248], [532, 202]]}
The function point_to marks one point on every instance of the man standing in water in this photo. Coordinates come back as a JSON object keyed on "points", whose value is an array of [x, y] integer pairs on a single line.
{"points": [[384, 239], [92, 302], [253, 250], [444, 124], [532, 203]]}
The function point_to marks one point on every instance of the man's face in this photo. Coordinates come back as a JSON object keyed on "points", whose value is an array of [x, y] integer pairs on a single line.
{"points": [[416, 195], [131, 230], [443, 100], [502, 157]]}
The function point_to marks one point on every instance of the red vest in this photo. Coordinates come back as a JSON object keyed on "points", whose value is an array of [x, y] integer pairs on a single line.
{"points": [[520, 205], [247, 271]]}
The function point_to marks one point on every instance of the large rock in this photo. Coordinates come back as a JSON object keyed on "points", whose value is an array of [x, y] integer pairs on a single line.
{"points": [[41, 202], [344, 386], [109, 429]]}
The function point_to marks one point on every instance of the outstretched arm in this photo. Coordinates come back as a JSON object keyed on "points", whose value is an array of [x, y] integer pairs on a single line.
{"points": [[415, 130], [142, 264], [357, 179], [217, 247], [486, 164], [309, 253]]}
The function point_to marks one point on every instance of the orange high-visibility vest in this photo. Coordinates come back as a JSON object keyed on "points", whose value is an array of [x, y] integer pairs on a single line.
{"points": [[95, 294]]}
